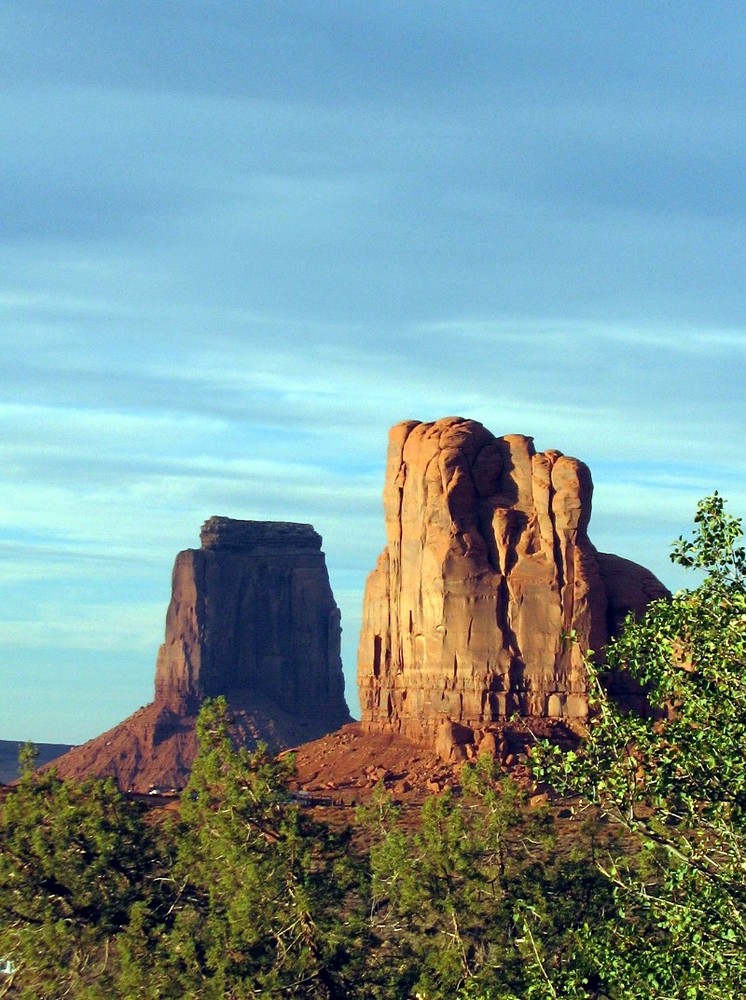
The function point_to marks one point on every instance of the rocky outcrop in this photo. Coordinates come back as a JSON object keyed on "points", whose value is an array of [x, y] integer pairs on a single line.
{"points": [[488, 591], [252, 610], [252, 617]]}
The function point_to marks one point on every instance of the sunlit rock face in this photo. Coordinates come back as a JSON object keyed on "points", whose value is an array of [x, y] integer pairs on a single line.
{"points": [[487, 573], [252, 610]]}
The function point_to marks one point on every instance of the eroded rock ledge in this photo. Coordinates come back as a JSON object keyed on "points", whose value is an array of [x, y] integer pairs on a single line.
{"points": [[252, 536]]}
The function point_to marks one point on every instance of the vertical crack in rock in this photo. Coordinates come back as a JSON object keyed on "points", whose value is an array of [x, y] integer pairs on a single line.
{"points": [[487, 566]]}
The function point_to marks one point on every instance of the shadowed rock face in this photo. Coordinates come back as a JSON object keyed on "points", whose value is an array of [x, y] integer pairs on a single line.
{"points": [[252, 610], [487, 569], [252, 617]]}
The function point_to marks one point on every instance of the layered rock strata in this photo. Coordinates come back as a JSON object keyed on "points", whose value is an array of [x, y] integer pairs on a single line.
{"points": [[489, 591]]}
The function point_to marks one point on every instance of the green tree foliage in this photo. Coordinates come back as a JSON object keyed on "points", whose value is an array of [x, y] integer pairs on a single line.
{"points": [[471, 902], [74, 860], [266, 897], [676, 782]]}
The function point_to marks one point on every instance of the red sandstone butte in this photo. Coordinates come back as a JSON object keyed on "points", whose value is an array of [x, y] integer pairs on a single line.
{"points": [[487, 572], [252, 617], [253, 610]]}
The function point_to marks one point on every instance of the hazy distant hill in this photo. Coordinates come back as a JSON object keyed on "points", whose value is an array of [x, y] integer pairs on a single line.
{"points": [[9, 756]]}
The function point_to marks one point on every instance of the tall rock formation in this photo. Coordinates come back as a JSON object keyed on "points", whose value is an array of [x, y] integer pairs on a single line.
{"points": [[252, 610], [252, 617], [487, 573]]}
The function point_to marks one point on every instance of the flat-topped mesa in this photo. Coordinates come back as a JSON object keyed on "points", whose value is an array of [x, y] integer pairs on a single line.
{"points": [[253, 611], [486, 575], [252, 617]]}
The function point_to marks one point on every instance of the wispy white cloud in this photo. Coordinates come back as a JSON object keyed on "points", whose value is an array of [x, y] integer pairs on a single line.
{"points": [[231, 260], [564, 334], [103, 628]]}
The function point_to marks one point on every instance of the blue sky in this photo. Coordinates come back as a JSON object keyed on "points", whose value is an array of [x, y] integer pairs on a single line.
{"points": [[240, 240]]}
